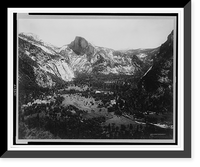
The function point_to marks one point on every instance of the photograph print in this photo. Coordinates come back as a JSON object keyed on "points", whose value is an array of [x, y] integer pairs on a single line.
{"points": [[96, 78]]}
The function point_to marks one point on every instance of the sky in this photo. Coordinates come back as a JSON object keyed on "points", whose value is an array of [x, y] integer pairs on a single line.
{"points": [[118, 33]]}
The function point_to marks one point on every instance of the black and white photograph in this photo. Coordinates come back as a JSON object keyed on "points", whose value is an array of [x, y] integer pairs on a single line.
{"points": [[97, 82], [97, 78]]}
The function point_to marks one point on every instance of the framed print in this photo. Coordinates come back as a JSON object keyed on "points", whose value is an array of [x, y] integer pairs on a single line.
{"points": [[99, 82]]}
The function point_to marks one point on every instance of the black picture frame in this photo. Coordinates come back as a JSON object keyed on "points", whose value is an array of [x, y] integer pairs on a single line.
{"points": [[186, 153]]}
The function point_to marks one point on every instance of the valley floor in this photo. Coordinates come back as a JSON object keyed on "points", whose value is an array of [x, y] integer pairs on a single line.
{"points": [[79, 112]]}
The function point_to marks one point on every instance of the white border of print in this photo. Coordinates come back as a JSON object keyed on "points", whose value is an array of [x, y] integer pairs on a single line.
{"points": [[96, 147]]}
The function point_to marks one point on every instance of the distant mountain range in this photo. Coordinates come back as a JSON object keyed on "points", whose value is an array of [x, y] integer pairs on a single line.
{"points": [[44, 65]]}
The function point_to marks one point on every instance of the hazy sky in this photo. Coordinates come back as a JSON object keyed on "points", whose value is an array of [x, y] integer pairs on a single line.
{"points": [[115, 33]]}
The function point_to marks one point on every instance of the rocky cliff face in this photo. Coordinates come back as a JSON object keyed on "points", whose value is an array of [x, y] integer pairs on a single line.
{"points": [[49, 65], [80, 46], [156, 85], [46, 67], [162, 69], [86, 58]]}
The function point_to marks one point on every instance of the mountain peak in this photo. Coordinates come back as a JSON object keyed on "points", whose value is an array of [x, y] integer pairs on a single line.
{"points": [[79, 37], [30, 36], [81, 46], [82, 42]]}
